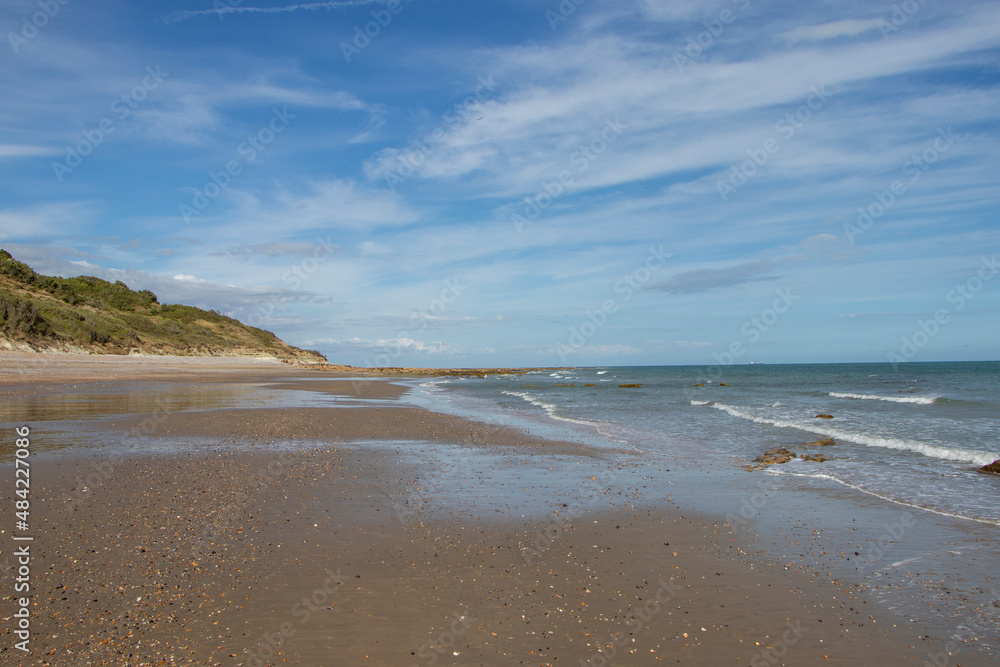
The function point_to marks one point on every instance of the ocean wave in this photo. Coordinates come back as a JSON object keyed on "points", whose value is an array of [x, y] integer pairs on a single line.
{"points": [[976, 457], [920, 400], [550, 410], [601, 372], [882, 496]]}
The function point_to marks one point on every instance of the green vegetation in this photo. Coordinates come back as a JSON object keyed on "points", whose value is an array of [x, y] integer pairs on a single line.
{"points": [[91, 313]]}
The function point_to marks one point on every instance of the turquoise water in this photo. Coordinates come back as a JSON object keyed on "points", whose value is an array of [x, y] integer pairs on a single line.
{"points": [[914, 436]]}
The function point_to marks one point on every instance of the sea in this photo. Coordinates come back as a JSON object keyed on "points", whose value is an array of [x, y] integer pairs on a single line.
{"points": [[901, 487], [915, 436]]}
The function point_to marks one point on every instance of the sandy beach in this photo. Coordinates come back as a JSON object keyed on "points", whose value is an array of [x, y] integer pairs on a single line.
{"points": [[327, 535]]}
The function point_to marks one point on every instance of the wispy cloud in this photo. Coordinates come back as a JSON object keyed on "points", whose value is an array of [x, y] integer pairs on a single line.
{"points": [[386, 345], [43, 219], [703, 280], [185, 14], [275, 249], [845, 28], [21, 150]]}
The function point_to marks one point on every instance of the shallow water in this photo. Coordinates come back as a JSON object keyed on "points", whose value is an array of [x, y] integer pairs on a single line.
{"points": [[901, 507]]}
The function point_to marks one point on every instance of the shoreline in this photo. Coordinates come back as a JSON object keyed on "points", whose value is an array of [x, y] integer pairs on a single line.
{"points": [[403, 521]]}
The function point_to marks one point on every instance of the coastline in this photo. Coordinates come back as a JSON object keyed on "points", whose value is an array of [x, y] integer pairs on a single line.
{"points": [[402, 521]]}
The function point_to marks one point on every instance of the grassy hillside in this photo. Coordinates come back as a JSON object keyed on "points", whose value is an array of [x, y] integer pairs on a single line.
{"points": [[87, 313]]}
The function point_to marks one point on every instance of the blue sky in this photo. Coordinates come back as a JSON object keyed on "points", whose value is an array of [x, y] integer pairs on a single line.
{"points": [[522, 183]]}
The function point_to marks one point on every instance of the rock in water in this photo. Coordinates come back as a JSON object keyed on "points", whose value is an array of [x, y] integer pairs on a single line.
{"points": [[824, 416], [993, 468], [780, 455], [819, 458], [825, 442]]}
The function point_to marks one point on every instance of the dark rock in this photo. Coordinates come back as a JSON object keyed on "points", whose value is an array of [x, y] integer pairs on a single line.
{"points": [[771, 457], [723, 384], [630, 385], [825, 442], [819, 458], [824, 416], [993, 468]]}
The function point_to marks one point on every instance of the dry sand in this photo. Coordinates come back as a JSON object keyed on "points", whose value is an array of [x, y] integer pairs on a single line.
{"points": [[337, 553]]}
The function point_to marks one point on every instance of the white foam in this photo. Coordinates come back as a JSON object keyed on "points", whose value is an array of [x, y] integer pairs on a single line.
{"points": [[694, 402], [920, 400], [976, 457], [886, 498], [550, 410], [601, 372]]}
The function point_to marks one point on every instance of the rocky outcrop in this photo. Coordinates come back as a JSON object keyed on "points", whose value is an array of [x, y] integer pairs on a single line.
{"points": [[824, 416], [992, 468], [825, 442], [819, 458], [774, 456]]}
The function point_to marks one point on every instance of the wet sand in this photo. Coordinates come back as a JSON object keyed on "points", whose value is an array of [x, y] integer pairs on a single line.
{"points": [[337, 550]]}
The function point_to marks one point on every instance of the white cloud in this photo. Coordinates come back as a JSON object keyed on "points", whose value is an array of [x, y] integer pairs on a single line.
{"points": [[221, 10], [320, 205], [43, 219], [189, 279], [387, 346], [614, 349], [845, 28], [708, 114], [680, 10], [21, 150]]}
